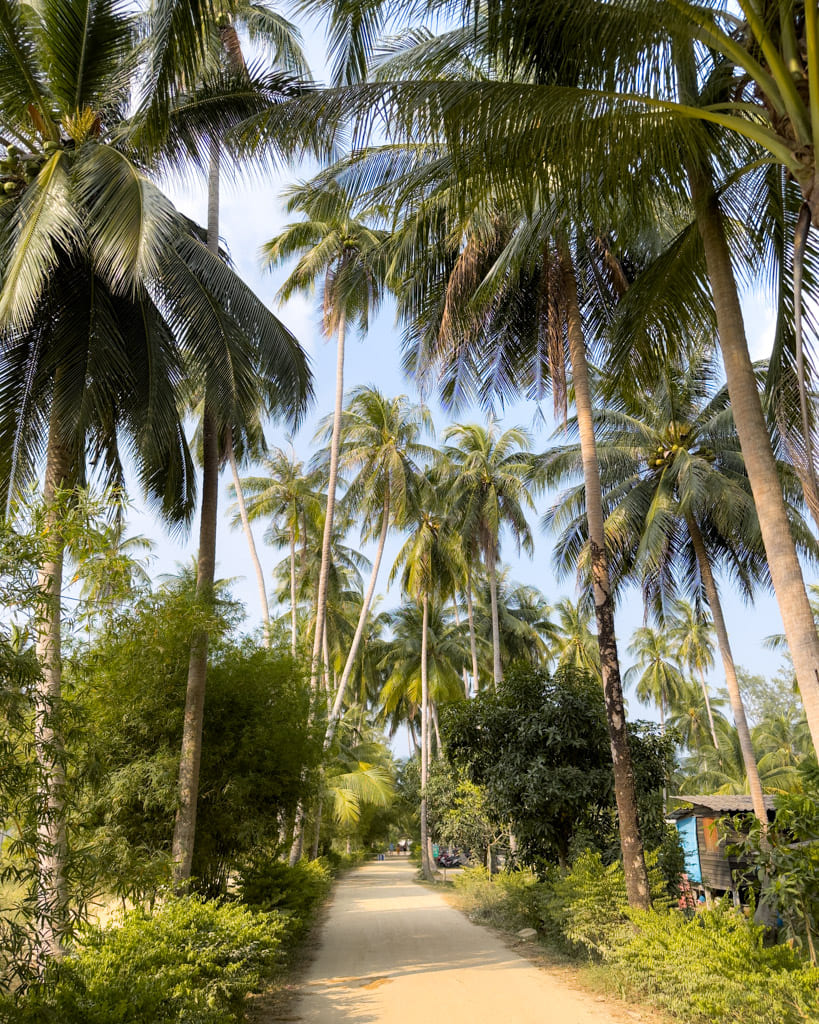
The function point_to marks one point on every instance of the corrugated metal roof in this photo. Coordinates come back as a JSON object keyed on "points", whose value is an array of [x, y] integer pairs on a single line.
{"points": [[723, 804]]}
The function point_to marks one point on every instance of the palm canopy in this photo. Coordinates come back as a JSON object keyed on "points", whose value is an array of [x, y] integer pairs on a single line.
{"points": [[109, 296], [336, 245], [447, 653], [655, 674], [670, 457], [381, 451], [490, 488]]}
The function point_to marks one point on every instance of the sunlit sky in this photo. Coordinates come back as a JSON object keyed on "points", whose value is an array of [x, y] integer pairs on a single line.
{"points": [[251, 213]]}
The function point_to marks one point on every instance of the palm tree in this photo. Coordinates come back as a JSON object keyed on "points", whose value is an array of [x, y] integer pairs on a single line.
{"points": [[573, 645], [489, 494], [656, 675], [694, 722], [281, 493], [678, 503], [539, 124], [693, 633], [379, 442], [752, 81], [524, 620], [108, 300], [334, 245], [401, 657], [429, 566]]}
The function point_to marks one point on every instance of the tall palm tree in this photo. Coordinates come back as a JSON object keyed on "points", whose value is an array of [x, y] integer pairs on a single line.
{"points": [[281, 493], [402, 657], [341, 249], [524, 620], [489, 494], [678, 503], [429, 566], [379, 442], [694, 722], [656, 676], [693, 633]]}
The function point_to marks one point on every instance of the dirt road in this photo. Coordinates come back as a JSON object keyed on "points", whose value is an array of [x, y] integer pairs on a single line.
{"points": [[394, 951]]}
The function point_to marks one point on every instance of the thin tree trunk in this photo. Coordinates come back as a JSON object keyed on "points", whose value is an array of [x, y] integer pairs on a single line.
{"points": [[297, 845], [624, 787], [786, 573], [439, 747], [293, 618], [426, 866], [48, 741], [458, 624], [473, 643], [413, 739], [317, 833], [734, 695], [708, 709], [335, 711], [492, 573], [254, 554], [325, 656], [184, 832], [324, 572]]}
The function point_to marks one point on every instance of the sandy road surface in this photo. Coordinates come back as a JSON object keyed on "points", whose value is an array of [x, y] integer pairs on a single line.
{"points": [[394, 951]]}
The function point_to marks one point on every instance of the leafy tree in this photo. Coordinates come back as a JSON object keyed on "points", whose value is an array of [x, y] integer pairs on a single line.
{"points": [[540, 748], [256, 755]]}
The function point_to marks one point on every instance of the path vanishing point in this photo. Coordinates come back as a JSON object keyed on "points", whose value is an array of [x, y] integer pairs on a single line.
{"points": [[394, 951]]}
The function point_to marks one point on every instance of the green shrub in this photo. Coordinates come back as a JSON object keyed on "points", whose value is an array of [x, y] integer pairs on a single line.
{"points": [[295, 892], [506, 900], [588, 906], [714, 967], [190, 962]]}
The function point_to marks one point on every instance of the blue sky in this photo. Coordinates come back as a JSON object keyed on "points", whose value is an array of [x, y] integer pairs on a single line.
{"points": [[251, 213]]}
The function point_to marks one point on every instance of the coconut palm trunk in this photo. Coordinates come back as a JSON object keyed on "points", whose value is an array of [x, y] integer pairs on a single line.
{"points": [[624, 786], [426, 866], [473, 643], [786, 573], [293, 619], [734, 695], [251, 543], [457, 615], [492, 574], [52, 850], [184, 832], [705, 694], [335, 711], [324, 571]]}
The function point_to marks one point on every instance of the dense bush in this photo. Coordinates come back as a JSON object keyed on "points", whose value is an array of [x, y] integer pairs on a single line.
{"points": [[191, 961], [539, 751], [506, 900], [257, 746], [294, 892], [588, 905], [714, 967]]}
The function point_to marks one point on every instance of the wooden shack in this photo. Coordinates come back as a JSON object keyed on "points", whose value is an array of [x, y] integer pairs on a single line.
{"points": [[707, 862]]}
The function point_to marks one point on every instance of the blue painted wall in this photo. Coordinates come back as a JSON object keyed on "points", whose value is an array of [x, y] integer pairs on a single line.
{"points": [[687, 829]]}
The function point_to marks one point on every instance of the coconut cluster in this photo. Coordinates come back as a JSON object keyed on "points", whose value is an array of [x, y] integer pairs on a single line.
{"points": [[18, 169]]}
